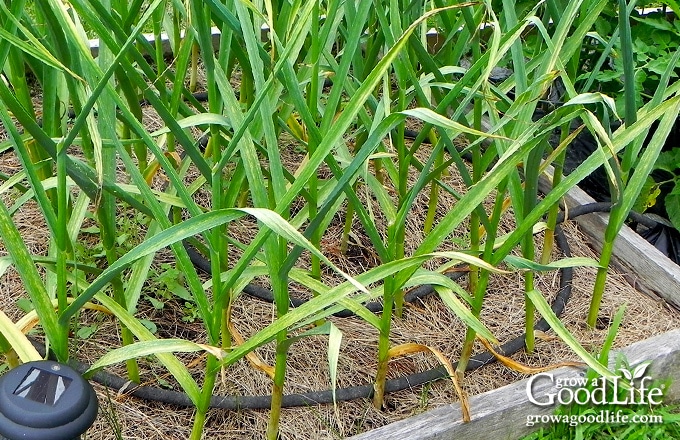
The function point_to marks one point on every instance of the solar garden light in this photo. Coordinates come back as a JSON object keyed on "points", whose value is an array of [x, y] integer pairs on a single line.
{"points": [[45, 400]]}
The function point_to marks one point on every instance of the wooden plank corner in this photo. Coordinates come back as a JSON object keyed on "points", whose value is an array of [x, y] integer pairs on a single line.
{"points": [[645, 268]]}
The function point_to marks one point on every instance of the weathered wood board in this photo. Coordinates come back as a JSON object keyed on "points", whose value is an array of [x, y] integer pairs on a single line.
{"points": [[502, 414], [647, 269]]}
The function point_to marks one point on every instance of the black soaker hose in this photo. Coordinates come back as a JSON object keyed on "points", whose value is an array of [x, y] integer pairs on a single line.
{"points": [[361, 391], [356, 392], [343, 394]]}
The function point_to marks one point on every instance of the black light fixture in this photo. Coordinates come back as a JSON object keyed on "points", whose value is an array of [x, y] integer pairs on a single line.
{"points": [[45, 400]]}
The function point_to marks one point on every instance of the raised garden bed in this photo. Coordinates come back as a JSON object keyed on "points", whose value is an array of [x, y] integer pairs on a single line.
{"points": [[282, 144]]}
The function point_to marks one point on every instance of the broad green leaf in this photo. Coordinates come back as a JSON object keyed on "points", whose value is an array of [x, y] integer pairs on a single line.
{"points": [[642, 169], [17, 340], [523, 263], [148, 348], [648, 195], [672, 202], [668, 160], [544, 309], [85, 332]]}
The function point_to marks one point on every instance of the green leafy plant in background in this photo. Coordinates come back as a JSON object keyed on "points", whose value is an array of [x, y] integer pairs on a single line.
{"points": [[653, 43], [668, 165], [654, 39]]}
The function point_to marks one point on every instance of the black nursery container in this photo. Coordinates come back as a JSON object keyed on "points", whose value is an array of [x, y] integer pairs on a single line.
{"points": [[45, 400]]}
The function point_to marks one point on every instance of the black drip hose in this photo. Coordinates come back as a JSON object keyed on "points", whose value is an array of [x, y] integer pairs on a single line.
{"points": [[605, 207], [201, 263], [343, 394], [356, 392]]}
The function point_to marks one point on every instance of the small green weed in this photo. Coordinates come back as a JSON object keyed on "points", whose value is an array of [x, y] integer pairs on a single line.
{"points": [[167, 284]]}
